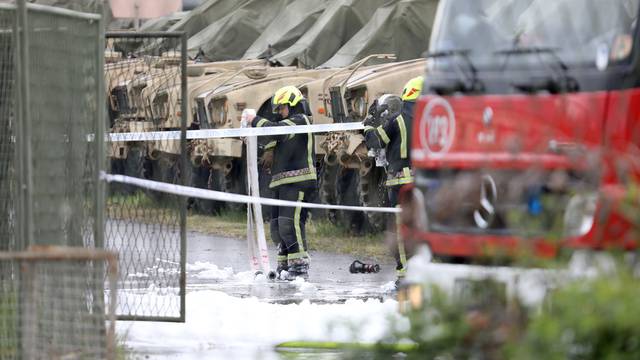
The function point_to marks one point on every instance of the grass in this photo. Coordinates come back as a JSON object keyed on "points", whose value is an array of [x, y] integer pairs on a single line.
{"points": [[322, 235], [325, 236], [8, 321]]}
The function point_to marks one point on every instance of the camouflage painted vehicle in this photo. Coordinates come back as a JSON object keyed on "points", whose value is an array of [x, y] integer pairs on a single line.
{"points": [[357, 178], [125, 80], [163, 108], [138, 102], [221, 107], [318, 95]]}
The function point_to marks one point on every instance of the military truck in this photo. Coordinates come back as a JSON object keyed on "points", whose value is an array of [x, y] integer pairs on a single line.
{"points": [[141, 93], [222, 107], [353, 176], [125, 81], [163, 109], [317, 93]]}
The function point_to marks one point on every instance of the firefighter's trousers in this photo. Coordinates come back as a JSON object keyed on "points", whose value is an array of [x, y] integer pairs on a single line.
{"points": [[288, 223], [392, 227]]}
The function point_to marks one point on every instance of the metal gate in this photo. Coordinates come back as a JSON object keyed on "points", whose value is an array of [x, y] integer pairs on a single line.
{"points": [[145, 82], [52, 280]]}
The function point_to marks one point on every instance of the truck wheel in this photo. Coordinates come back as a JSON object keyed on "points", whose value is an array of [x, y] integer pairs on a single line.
{"points": [[164, 169], [373, 193], [116, 167], [235, 181], [134, 165], [327, 190], [203, 177], [347, 186]]}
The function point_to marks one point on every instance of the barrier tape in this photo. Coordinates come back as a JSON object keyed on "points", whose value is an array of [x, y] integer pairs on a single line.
{"points": [[237, 198], [236, 132]]}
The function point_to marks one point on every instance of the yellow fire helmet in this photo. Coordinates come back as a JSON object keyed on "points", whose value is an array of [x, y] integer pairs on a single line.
{"points": [[288, 95], [412, 89]]}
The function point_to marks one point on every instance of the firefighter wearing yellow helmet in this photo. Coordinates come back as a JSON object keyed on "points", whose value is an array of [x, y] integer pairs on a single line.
{"points": [[291, 159], [388, 126]]}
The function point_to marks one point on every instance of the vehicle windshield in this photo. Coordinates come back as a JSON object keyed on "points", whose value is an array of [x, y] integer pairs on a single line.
{"points": [[579, 32]]}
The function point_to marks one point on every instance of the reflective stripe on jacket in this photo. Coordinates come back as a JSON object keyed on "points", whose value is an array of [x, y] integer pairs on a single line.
{"points": [[394, 136], [294, 154]]}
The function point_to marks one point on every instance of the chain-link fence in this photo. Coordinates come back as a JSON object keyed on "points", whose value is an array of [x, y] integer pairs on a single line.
{"points": [[52, 297], [7, 128], [145, 80], [53, 304], [63, 101]]}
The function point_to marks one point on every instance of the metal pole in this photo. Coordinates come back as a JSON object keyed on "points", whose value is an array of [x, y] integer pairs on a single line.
{"points": [[23, 147], [185, 181], [100, 129], [23, 233]]}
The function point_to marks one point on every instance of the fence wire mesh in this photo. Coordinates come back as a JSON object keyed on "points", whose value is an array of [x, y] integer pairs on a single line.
{"points": [[7, 129], [53, 304], [52, 301], [143, 79], [63, 103]]}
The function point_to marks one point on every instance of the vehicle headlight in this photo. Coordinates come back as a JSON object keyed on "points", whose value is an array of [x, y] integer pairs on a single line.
{"points": [[579, 214], [359, 107], [160, 106], [120, 99], [218, 111]]}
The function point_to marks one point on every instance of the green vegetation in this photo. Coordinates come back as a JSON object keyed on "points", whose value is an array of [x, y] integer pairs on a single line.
{"points": [[596, 318], [321, 234], [8, 320]]}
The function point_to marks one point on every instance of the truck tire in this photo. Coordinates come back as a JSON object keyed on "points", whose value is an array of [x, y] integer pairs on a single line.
{"points": [[373, 193], [327, 192], [235, 181], [347, 186], [164, 169], [204, 178]]}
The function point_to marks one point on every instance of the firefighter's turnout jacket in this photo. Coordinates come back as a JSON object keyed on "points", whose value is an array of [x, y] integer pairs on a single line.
{"points": [[294, 154], [394, 136]]}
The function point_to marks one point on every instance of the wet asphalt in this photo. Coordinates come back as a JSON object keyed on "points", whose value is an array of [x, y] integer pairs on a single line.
{"points": [[329, 278]]}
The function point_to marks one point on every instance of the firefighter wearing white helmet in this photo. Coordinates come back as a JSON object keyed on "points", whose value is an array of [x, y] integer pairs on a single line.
{"points": [[291, 160], [388, 126]]}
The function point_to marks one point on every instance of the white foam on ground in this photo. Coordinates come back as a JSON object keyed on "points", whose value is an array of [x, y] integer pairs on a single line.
{"points": [[215, 320], [250, 327]]}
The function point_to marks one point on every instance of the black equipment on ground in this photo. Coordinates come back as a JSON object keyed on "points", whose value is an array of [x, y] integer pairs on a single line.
{"points": [[360, 267]]}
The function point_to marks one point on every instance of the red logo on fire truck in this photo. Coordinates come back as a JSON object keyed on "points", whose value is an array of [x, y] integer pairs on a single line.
{"points": [[438, 127]]}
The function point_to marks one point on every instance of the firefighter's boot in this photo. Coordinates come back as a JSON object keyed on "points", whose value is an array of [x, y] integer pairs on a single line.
{"points": [[298, 268], [283, 264]]}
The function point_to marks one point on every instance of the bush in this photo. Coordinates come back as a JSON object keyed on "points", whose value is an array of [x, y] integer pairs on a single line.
{"points": [[594, 319]]}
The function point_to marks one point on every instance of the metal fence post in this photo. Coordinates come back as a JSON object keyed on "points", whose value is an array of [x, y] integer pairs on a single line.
{"points": [[100, 131], [185, 181], [23, 148]]}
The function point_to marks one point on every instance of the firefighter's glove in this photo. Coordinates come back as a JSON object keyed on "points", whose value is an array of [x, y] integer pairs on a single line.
{"points": [[267, 159], [369, 121], [372, 108]]}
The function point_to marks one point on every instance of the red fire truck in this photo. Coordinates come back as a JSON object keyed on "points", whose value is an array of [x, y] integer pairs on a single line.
{"points": [[527, 136]]}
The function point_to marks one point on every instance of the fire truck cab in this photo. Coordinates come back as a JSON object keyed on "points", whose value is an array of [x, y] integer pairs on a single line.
{"points": [[527, 134]]}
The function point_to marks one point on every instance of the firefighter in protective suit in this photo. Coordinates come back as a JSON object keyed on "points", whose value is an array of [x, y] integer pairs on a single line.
{"points": [[388, 126], [291, 159]]}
